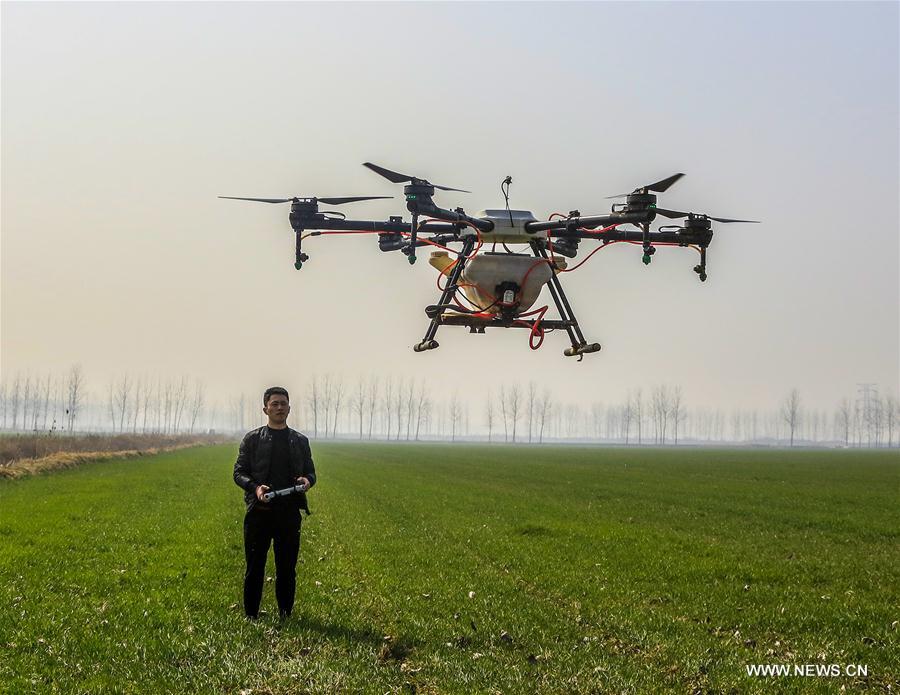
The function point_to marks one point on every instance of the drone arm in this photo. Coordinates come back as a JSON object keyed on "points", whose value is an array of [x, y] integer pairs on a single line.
{"points": [[392, 234], [699, 239], [394, 226], [456, 216], [682, 238], [574, 223]]}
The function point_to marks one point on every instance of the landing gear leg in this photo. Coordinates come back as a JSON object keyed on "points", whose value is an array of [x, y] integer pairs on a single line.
{"points": [[428, 342], [580, 346]]}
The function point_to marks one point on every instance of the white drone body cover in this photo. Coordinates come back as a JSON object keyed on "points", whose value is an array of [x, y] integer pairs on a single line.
{"points": [[504, 231]]}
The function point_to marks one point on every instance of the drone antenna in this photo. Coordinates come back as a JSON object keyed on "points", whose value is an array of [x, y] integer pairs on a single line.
{"points": [[505, 191]]}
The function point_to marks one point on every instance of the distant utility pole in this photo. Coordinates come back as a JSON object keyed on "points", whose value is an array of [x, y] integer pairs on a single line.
{"points": [[868, 396]]}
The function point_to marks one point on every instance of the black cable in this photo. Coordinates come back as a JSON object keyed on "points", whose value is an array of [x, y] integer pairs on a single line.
{"points": [[494, 303]]}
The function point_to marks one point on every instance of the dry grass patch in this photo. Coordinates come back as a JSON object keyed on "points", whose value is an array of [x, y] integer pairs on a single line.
{"points": [[22, 455]]}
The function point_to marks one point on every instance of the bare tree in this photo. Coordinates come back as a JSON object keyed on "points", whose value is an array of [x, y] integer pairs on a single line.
{"points": [[59, 402], [545, 409], [737, 418], [240, 412], [399, 402], [718, 425], [338, 400], [315, 403], [327, 400], [423, 406], [515, 408], [531, 406], [572, 417], [111, 405], [890, 416], [179, 399], [75, 396], [358, 403], [410, 407], [388, 405], [197, 402], [790, 412], [455, 415], [169, 405], [122, 392], [612, 422], [145, 406], [504, 412], [598, 412], [26, 401], [48, 386], [878, 420], [489, 415], [155, 403], [638, 414], [677, 403], [661, 406], [182, 394], [4, 403], [138, 401], [16, 400], [373, 402], [627, 418], [37, 397]]}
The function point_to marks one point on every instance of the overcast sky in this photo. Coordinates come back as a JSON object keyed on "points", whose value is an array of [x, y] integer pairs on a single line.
{"points": [[122, 122]]}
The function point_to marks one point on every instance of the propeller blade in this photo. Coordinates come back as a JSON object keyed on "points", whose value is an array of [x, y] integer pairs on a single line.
{"points": [[658, 187], [395, 177], [676, 213], [392, 176], [723, 219], [259, 200], [447, 188], [672, 214], [352, 199], [664, 185]]}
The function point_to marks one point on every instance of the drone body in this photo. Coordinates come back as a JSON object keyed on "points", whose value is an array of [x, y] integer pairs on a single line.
{"points": [[500, 288], [508, 227]]}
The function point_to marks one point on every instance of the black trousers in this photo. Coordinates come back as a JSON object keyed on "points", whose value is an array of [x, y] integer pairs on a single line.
{"points": [[280, 526]]}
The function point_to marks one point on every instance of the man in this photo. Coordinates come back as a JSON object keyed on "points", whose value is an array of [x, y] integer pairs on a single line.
{"points": [[273, 457]]}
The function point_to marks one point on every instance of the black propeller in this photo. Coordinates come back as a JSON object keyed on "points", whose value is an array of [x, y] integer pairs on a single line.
{"points": [[674, 214], [395, 177], [327, 201], [658, 187]]}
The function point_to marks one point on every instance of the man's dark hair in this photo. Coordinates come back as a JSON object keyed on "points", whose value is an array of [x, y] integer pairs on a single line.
{"points": [[275, 390]]}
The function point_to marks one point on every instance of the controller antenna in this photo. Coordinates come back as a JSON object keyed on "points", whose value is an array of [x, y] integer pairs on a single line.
{"points": [[504, 189]]}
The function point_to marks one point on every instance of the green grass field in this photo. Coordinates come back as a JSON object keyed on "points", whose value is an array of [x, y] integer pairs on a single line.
{"points": [[461, 569]]}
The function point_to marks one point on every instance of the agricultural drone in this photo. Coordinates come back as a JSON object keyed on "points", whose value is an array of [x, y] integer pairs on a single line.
{"points": [[499, 287]]}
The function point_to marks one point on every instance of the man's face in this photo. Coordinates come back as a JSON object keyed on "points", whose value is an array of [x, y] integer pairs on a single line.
{"points": [[277, 408]]}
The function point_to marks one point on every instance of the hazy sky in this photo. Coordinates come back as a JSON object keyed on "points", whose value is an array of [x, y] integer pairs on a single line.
{"points": [[122, 122]]}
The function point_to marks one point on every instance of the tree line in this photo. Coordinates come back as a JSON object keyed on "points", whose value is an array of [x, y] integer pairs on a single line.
{"points": [[54, 403], [388, 407]]}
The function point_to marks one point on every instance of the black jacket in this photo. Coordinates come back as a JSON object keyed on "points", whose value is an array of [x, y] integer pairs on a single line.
{"points": [[255, 456]]}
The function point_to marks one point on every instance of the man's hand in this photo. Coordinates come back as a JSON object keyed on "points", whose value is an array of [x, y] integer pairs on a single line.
{"points": [[303, 481], [260, 491]]}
